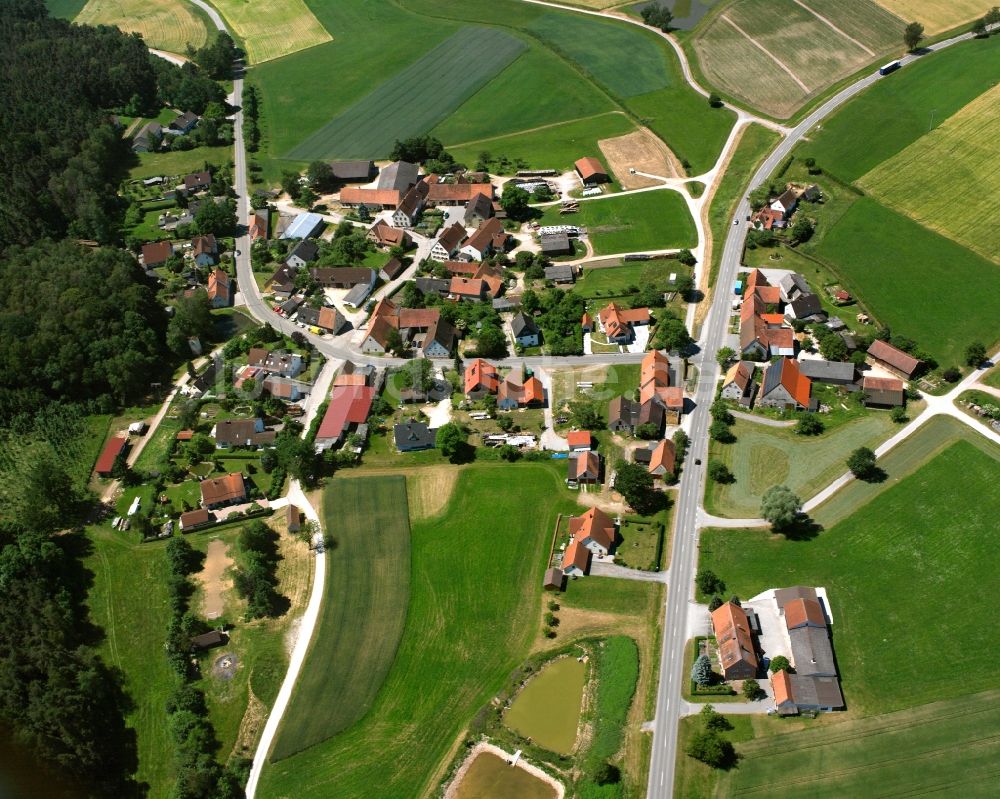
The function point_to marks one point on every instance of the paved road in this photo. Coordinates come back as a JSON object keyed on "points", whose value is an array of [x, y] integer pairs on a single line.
{"points": [[680, 576]]}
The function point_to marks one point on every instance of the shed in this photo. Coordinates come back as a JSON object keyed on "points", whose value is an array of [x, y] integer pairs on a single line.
{"points": [[110, 453], [293, 517], [553, 579], [591, 171], [208, 640]]}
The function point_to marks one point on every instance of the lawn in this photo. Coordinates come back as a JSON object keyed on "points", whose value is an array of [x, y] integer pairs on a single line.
{"points": [[765, 456], [992, 378], [922, 180], [654, 220], [917, 282], [169, 25], [618, 281], [936, 528], [609, 595], [557, 94], [271, 29], [181, 162], [947, 748], [367, 590], [897, 111], [475, 585], [556, 147], [936, 15], [755, 142], [416, 99]]}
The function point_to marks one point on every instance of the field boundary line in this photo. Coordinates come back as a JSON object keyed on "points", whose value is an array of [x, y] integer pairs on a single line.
{"points": [[768, 53], [537, 128], [847, 36]]}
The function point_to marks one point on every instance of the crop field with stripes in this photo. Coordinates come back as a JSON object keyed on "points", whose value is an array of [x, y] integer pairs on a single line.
{"points": [[164, 24], [271, 29], [776, 54], [416, 99]]}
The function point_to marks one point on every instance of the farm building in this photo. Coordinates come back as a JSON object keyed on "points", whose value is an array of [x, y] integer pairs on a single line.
{"points": [[556, 244], [353, 171], [348, 407], [883, 392], [342, 277], [326, 318], [384, 235], [553, 579], [193, 519], [899, 363], [835, 373], [579, 440], [785, 387], [305, 252], [106, 460], [413, 436], [377, 199], [575, 559], [591, 171], [739, 385], [398, 176], [304, 226]]}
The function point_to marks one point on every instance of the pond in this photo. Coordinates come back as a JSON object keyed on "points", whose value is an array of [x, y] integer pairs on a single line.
{"points": [[547, 710], [202, 469], [687, 13], [490, 777]]}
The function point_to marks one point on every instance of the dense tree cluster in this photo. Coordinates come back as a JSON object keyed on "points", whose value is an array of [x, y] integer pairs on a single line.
{"points": [[657, 16], [256, 577], [635, 484], [559, 320], [76, 324], [217, 57], [425, 150], [707, 743], [185, 87]]}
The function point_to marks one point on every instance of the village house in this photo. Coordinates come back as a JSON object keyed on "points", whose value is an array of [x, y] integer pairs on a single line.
{"points": [[195, 519], [625, 415], [663, 460], [205, 250], [386, 236], [466, 288], [517, 392], [286, 389], [595, 530], [478, 210], [353, 171], [302, 254], [245, 433], [413, 436], [526, 332], [489, 238], [737, 653], [448, 243], [391, 269], [184, 123], [579, 440], [583, 468], [326, 318], [197, 181], [439, 340], [554, 244], [591, 171], [421, 326], [481, 378], [148, 138], [347, 409], [618, 323], [763, 330], [220, 289], [738, 384], [575, 559], [894, 360], [217, 492], [259, 224], [278, 362], [883, 392], [410, 206], [156, 254], [785, 387]]}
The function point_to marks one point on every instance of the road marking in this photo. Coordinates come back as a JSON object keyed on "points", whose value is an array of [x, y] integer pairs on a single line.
{"points": [[834, 27], [768, 53]]}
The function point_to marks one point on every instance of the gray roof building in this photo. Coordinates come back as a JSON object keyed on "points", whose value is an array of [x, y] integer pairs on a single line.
{"points": [[816, 693], [521, 325], [353, 171], [812, 652], [412, 436], [837, 372], [398, 176], [559, 273], [555, 243]]}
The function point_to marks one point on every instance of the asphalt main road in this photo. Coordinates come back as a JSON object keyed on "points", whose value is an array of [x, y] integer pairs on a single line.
{"points": [[670, 707]]}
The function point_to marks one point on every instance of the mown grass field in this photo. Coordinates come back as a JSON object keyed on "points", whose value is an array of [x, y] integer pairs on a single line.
{"points": [[271, 29], [817, 42], [936, 15], [65, 9], [765, 456], [367, 590], [416, 99], [897, 111], [609, 595], [164, 24], [474, 610], [945, 748], [554, 147], [653, 220], [956, 159], [901, 572], [523, 103], [754, 144], [919, 283], [179, 163]]}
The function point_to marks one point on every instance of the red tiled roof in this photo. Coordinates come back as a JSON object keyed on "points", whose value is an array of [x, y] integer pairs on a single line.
{"points": [[457, 192], [157, 252], [732, 633], [655, 369], [882, 384], [466, 287], [796, 383], [348, 405], [580, 438], [663, 457], [595, 524], [802, 611], [112, 449], [218, 285], [576, 555], [483, 236], [355, 196], [533, 391], [781, 686], [461, 267], [480, 374], [193, 518]]}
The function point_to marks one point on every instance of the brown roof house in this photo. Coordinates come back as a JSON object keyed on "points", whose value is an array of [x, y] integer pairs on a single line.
{"points": [[737, 653], [385, 235], [194, 519], [248, 433], [217, 492], [739, 385], [583, 468], [662, 461], [883, 392], [156, 254], [595, 530], [448, 243], [901, 364], [591, 171]]}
